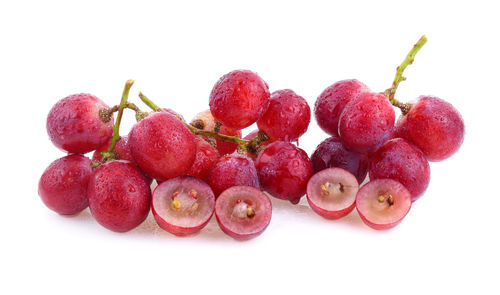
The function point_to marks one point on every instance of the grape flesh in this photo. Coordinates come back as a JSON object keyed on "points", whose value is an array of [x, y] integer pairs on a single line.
{"points": [[383, 203], [232, 170], [162, 146], [239, 99], [434, 126], [243, 212], [284, 170], [119, 195], [366, 122], [332, 101], [287, 116], [332, 192], [206, 157], [63, 185], [331, 153], [183, 205], [74, 124], [400, 160]]}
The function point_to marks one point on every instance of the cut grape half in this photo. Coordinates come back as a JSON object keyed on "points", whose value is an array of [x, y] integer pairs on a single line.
{"points": [[183, 205], [332, 192], [383, 203], [243, 212]]}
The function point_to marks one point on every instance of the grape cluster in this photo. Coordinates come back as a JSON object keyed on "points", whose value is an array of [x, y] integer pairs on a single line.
{"points": [[206, 167]]}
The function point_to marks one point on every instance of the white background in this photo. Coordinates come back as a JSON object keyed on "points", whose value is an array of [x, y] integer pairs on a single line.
{"points": [[447, 244]]}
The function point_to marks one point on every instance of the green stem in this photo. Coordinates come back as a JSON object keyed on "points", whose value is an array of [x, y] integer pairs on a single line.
{"points": [[391, 92], [242, 143], [116, 128]]}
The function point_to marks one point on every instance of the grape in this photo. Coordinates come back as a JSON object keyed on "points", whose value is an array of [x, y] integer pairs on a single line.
{"points": [[287, 116], [239, 99], [383, 203], [206, 156], [119, 195], [400, 160], [232, 170], [162, 146], [63, 185], [284, 170], [366, 122], [205, 121], [243, 212], [331, 103], [434, 126], [75, 124], [183, 205], [332, 192], [122, 150], [331, 153]]}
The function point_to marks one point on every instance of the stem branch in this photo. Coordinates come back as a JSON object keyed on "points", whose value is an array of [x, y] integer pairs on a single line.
{"points": [[391, 92], [116, 128]]}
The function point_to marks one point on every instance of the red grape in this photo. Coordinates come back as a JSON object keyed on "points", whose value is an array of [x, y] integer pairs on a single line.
{"points": [[74, 124], [162, 146], [206, 156], [239, 98], [243, 212], [332, 192], [119, 195], [183, 205], [331, 103], [287, 116], [331, 153], [284, 170], [400, 160], [205, 121], [434, 126], [383, 203], [232, 170], [63, 185], [366, 122], [122, 150]]}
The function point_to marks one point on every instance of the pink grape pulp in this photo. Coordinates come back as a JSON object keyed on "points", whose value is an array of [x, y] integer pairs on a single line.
{"points": [[243, 212]]}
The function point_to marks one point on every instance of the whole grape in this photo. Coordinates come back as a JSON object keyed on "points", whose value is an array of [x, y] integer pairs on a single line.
{"points": [[76, 123], [162, 146], [63, 185], [366, 122], [239, 99], [284, 170], [331, 102], [434, 126], [287, 116], [400, 160]]}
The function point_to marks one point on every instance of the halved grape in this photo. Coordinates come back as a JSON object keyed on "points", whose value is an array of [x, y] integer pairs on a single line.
{"points": [[183, 205], [243, 212], [332, 192], [383, 203]]}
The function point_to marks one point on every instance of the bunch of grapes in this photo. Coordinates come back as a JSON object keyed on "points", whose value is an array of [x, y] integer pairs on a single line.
{"points": [[206, 167]]}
